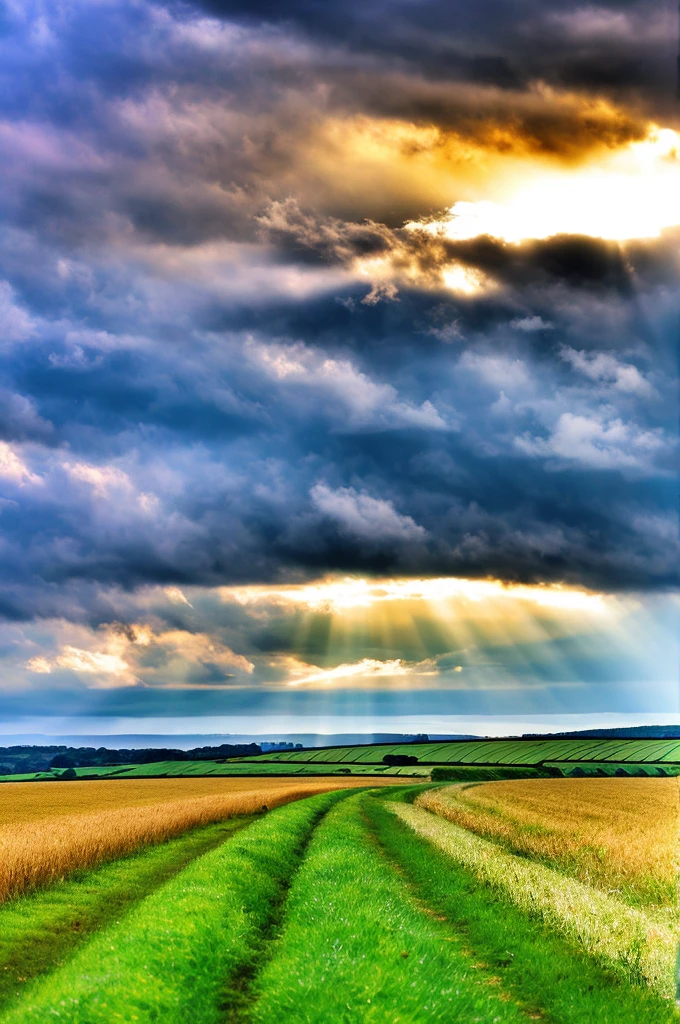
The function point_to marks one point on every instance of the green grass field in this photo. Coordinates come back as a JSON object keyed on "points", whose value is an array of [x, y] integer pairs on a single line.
{"points": [[187, 769], [604, 757], [40, 931], [350, 906], [494, 752]]}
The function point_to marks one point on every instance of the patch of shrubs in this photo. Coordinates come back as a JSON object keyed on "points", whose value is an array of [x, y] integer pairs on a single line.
{"points": [[465, 773]]}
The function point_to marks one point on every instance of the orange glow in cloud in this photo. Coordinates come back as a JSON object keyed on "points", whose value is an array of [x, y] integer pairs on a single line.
{"points": [[630, 193], [337, 595]]}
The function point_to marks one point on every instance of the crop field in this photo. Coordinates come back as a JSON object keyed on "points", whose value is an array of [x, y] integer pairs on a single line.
{"points": [[496, 903], [47, 831], [617, 835], [647, 757], [218, 769], [494, 752]]}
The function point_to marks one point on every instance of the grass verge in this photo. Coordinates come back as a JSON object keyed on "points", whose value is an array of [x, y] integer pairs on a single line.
{"points": [[539, 967], [174, 956], [355, 947], [39, 931], [620, 937]]}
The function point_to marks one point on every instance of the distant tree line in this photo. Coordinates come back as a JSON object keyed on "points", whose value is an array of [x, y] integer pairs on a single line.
{"points": [[268, 746], [21, 760]]}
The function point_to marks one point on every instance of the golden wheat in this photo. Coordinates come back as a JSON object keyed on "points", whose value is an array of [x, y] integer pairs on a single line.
{"points": [[620, 835], [50, 829]]}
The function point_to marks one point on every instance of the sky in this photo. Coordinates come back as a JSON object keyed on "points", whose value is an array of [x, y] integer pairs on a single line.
{"points": [[338, 385]]}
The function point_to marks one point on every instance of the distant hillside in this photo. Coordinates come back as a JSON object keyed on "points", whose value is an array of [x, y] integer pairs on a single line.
{"points": [[652, 732], [20, 760], [191, 741]]}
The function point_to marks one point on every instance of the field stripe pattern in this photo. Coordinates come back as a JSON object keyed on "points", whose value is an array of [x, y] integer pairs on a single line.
{"points": [[657, 756]]}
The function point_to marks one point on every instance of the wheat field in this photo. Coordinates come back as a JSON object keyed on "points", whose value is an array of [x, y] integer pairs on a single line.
{"points": [[620, 835], [626, 939], [50, 829]]}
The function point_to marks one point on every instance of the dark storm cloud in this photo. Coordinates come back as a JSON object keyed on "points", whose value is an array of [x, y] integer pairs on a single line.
{"points": [[200, 387], [524, 452], [574, 260], [609, 47], [160, 126]]}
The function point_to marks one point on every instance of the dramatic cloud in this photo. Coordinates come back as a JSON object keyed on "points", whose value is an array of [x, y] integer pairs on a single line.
{"points": [[290, 291], [362, 516]]}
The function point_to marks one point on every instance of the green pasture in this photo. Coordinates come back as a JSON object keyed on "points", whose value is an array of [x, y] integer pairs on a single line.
{"points": [[493, 752], [181, 769], [569, 757]]}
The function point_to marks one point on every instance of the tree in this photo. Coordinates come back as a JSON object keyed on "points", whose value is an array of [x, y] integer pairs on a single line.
{"points": [[62, 761], [396, 759]]}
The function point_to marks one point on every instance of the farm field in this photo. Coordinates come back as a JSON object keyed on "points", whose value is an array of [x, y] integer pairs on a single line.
{"points": [[646, 757], [493, 752], [618, 835], [47, 831], [218, 769], [355, 904]]}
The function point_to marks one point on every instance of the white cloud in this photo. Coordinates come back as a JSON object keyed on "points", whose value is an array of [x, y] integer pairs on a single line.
{"points": [[15, 323], [595, 442], [134, 654], [363, 401], [99, 662], [499, 371], [528, 324], [605, 368], [112, 489], [102, 479], [39, 665], [366, 670], [13, 467], [360, 515]]}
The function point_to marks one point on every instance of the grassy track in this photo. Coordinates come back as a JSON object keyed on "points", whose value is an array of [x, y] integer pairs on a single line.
{"points": [[540, 968], [356, 948], [619, 936], [39, 931], [174, 956]]}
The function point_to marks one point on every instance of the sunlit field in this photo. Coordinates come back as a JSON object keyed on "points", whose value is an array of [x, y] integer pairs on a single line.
{"points": [[620, 835], [48, 831], [252, 900]]}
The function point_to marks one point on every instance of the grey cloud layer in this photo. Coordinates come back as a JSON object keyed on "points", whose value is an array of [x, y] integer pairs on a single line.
{"points": [[196, 389]]}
